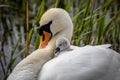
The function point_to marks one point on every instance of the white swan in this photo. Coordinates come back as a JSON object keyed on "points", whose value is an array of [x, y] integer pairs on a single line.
{"points": [[29, 67], [82, 63]]}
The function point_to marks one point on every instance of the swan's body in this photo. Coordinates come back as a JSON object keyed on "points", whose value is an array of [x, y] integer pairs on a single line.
{"points": [[85, 63], [82, 63]]}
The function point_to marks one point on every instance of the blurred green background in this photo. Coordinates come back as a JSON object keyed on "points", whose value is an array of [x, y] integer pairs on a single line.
{"points": [[95, 22]]}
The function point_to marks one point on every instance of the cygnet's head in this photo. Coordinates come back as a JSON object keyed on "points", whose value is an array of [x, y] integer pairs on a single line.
{"points": [[61, 45], [55, 22]]}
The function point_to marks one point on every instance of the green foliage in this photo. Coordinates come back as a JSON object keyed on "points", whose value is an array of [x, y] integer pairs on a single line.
{"points": [[40, 12], [95, 22], [37, 42]]}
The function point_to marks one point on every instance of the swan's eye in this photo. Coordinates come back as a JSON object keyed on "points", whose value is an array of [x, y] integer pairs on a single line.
{"points": [[46, 28], [41, 31], [38, 25]]}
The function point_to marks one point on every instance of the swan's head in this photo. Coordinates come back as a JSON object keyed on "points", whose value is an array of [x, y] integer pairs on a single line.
{"points": [[55, 22]]}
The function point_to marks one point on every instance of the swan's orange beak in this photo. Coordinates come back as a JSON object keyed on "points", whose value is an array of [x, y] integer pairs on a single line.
{"points": [[44, 39]]}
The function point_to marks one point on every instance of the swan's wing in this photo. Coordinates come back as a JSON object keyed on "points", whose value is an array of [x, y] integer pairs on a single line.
{"points": [[104, 46], [86, 63]]}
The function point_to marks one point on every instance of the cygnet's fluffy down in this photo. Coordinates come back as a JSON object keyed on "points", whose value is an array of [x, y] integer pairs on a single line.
{"points": [[61, 45]]}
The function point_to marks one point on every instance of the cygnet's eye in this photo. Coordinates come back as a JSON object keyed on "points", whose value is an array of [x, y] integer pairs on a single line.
{"points": [[60, 44]]}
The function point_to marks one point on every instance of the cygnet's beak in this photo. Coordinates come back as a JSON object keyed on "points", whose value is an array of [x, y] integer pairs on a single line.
{"points": [[44, 39], [57, 50]]}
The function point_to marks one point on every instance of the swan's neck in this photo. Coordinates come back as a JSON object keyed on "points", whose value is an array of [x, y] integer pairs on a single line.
{"points": [[67, 33], [31, 65], [43, 55]]}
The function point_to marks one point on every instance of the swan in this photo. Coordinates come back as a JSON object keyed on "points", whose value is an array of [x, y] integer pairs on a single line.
{"points": [[81, 63], [29, 67], [62, 44]]}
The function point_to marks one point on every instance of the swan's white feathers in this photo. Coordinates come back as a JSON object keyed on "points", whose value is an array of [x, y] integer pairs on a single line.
{"points": [[104, 46], [85, 63]]}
